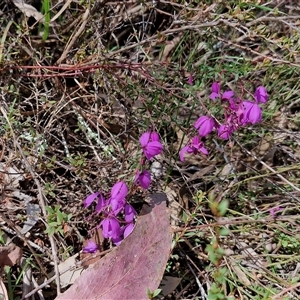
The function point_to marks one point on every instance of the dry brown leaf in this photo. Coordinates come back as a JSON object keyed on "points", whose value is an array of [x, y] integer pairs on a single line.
{"points": [[169, 284], [200, 174], [10, 255], [239, 273], [10, 176], [28, 10], [170, 45], [72, 274]]}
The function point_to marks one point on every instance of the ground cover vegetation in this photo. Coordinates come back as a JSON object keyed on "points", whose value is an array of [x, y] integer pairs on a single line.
{"points": [[158, 140]]}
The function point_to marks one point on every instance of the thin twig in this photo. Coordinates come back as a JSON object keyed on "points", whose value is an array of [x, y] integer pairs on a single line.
{"points": [[293, 287], [236, 221]]}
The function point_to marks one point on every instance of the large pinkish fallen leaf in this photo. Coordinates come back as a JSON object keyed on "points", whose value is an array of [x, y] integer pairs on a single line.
{"points": [[134, 266]]}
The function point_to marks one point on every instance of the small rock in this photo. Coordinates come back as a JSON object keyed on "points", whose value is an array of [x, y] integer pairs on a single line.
{"points": [[228, 252], [157, 169], [269, 247]]}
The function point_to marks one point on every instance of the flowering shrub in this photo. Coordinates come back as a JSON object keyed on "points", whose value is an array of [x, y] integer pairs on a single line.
{"points": [[236, 112], [118, 214]]}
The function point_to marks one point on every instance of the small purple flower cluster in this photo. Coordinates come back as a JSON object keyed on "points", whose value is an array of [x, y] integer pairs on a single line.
{"points": [[151, 146], [236, 112], [116, 205], [274, 210], [112, 207]]}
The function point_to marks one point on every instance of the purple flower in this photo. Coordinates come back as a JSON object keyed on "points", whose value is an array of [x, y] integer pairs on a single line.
{"points": [[252, 113], [204, 125], [215, 88], [228, 95], [117, 241], [239, 113], [119, 191], [111, 228], [154, 136], [91, 198], [194, 147], [261, 95], [117, 205], [117, 197], [198, 145], [190, 80], [129, 213], [274, 210], [143, 179], [128, 229], [151, 144], [185, 149], [91, 247], [101, 203], [215, 91], [232, 122], [224, 132]]}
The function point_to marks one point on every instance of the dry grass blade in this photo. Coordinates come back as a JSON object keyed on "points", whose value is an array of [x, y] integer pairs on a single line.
{"points": [[3, 290]]}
